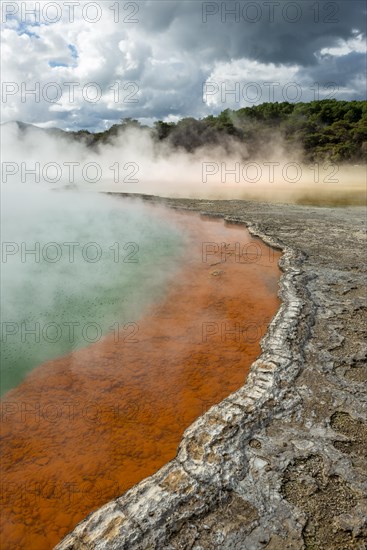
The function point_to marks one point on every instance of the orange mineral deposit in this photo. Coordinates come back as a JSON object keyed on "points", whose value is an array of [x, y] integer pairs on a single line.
{"points": [[82, 429]]}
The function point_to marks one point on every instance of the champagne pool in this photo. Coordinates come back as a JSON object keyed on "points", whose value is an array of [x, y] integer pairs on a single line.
{"points": [[74, 267], [86, 418]]}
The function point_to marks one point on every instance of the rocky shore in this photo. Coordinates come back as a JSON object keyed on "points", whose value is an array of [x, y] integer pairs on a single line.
{"points": [[281, 463]]}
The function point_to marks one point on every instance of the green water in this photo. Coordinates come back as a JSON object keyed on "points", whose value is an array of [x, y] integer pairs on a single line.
{"points": [[52, 305]]}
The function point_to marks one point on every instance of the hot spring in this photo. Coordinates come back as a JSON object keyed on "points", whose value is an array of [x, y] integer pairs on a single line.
{"points": [[122, 322], [74, 268]]}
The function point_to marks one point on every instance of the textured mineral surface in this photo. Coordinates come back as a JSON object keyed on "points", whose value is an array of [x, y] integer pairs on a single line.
{"points": [[280, 463]]}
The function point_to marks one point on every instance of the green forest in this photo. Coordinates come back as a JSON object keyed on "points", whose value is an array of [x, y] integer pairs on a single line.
{"points": [[321, 130]]}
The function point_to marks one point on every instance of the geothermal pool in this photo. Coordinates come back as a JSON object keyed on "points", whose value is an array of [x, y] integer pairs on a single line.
{"points": [[73, 266], [84, 421]]}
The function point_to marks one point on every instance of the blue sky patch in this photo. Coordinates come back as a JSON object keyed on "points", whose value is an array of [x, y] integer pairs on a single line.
{"points": [[23, 29], [57, 64], [74, 51]]}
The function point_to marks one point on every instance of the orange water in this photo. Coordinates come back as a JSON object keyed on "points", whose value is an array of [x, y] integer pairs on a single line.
{"points": [[82, 429]]}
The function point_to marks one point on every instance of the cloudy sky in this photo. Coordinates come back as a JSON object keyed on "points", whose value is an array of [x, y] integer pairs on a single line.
{"points": [[83, 64]]}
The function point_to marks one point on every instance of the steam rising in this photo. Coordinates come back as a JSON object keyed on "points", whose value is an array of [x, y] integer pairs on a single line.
{"points": [[137, 163], [49, 185], [76, 266]]}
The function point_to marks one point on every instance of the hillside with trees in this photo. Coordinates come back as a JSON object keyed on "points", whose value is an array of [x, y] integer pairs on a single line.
{"points": [[328, 129], [325, 130]]}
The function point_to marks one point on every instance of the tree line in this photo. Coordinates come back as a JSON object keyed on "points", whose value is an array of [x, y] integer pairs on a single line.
{"points": [[321, 130]]}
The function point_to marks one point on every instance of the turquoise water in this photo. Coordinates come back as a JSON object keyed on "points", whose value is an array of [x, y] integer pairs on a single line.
{"points": [[65, 296]]}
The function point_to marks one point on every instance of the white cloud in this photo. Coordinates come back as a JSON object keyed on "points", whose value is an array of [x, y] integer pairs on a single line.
{"points": [[357, 44], [167, 55], [244, 82]]}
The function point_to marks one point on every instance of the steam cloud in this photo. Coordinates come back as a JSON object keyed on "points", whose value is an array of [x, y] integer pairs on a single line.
{"points": [[135, 162]]}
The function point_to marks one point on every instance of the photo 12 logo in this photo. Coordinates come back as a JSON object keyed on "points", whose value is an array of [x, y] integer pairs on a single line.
{"points": [[53, 252], [239, 92], [69, 172], [238, 332], [70, 331], [268, 172], [25, 494], [270, 12], [70, 92], [52, 12], [246, 253], [90, 412]]}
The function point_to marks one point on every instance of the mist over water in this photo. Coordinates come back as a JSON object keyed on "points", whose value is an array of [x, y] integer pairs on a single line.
{"points": [[50, 191], [76, 266], [135, 163]]}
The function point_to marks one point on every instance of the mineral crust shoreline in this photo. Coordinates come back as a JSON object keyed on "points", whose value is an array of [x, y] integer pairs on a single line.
{"points": [[280, 463]]}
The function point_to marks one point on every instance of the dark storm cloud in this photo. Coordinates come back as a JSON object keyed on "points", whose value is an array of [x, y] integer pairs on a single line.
{"points": [[343, 69], [174, 48], [278, 32]]}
